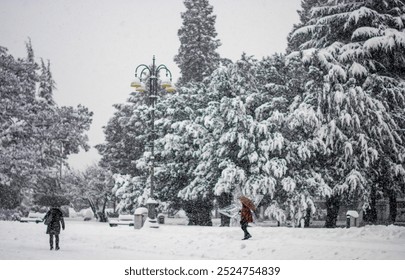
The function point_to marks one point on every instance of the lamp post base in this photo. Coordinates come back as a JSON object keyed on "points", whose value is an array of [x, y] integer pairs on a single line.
{"points": [[151, 221]]}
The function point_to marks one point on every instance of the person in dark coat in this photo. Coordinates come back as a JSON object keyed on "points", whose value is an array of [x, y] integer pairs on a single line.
{"points": [[54, 220], [245, 218]]}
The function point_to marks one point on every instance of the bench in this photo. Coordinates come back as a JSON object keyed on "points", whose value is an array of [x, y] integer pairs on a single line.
{"points": [[33, 217], [127, 220]]}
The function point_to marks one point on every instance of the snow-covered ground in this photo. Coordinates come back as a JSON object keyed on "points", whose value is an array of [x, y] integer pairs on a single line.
{"points": [[92, 240]]}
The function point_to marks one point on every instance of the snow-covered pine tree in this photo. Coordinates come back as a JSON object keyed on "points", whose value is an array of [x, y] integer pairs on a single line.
{"points": [[31, 70], [228, 146], [305, 16], [286, 136], [46, 83], [179, 148], [46, 122], [126, 139], [197, 57], [359, 46]]}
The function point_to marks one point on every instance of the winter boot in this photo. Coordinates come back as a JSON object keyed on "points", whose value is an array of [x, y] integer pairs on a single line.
{"points": [[247, 237]]}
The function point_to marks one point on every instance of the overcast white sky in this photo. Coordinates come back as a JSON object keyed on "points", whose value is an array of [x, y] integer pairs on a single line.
{"points": [[95, 45]]}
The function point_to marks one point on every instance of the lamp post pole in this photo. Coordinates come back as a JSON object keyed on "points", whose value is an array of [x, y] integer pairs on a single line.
{"points": [[153, 72], [152, 99]]}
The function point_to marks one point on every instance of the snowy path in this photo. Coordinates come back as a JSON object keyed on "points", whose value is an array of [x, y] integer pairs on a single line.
{"points": [[92, 240]]}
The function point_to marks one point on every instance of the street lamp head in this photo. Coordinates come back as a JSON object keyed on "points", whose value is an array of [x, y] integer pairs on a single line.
{"points": [[141, 88], [166, 83], [170, 89], [136, 83]]}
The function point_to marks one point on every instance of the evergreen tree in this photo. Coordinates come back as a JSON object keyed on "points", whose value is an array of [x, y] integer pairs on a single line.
{"points": [[197, 57], [211, 125], [359, 48], [288, 145], [126, 138], [127, 135], [46, 83], [178, 151], [230, 150], [305, 17]]}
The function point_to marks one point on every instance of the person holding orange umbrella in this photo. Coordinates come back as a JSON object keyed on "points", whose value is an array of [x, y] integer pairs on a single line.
{"points": [[246, 215]]}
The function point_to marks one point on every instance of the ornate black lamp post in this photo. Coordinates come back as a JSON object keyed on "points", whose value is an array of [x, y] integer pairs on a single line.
{"points": [[151, 74]]}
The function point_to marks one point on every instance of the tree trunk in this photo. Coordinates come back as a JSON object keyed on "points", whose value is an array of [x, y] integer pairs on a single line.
{"points": [[204, 217], [93, 207], [190, 212], [101, 215], [307, 218], [370, 216], [332, 208], [198, 212], [392, 196], [225, 199], [114, 200]]}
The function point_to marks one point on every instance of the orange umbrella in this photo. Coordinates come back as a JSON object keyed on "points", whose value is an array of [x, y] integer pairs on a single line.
{"points": [[247, 202]]}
